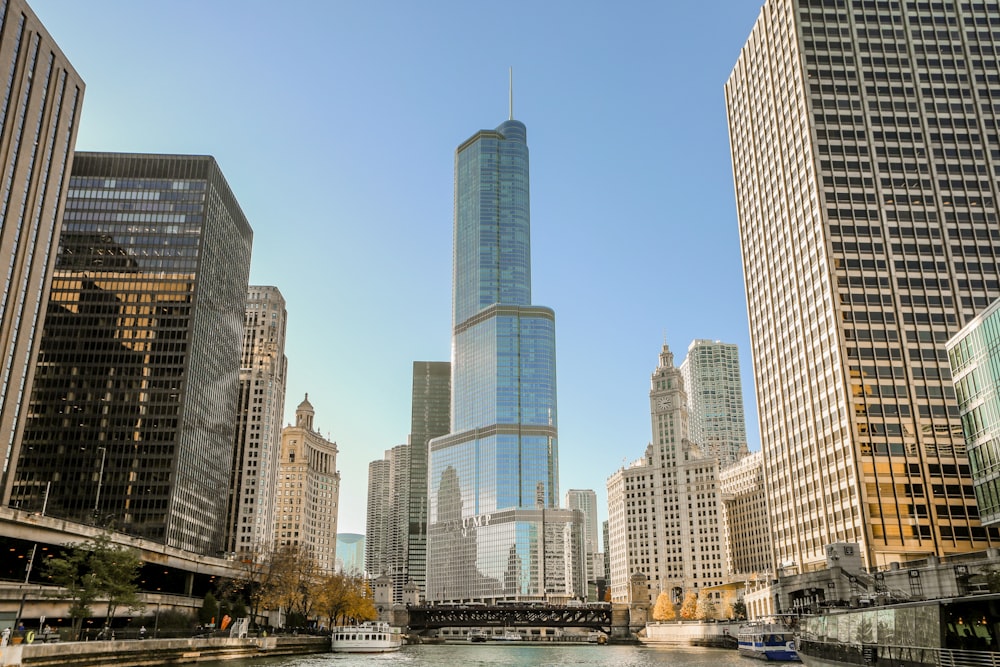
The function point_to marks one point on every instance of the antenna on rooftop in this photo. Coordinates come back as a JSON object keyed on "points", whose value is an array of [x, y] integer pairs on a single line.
{"points": [[510, 93]]}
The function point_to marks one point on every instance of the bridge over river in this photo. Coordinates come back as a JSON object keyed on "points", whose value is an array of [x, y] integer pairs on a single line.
{"points": [[433, 617]]}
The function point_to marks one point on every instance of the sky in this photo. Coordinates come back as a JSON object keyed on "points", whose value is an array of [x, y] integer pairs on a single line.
{"points": [[335, 123]]}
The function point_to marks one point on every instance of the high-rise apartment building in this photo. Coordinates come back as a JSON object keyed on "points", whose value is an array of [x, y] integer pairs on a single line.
{"points": [[377, 516], [864, 146], [665, 509], [711, 372], [130, 422], [493, 479], [430, 417], [746, 518], [308, 491], [261, 404], [39, 115], [388, 516]]}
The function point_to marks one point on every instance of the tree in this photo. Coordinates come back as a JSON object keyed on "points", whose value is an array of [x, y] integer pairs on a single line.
{"points": [[340, 597], [292, 574], [706, 607], [254, 579], [740, 610], [209, 610], [96, 569], [664, 609], [727, 605], [71, 572], [689, 608]]}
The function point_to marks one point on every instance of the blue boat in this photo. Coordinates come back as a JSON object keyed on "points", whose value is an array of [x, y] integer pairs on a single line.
{"points": [[768, 641]]}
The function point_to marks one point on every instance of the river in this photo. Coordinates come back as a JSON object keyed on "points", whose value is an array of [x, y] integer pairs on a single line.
{"points": [[479, 655]]}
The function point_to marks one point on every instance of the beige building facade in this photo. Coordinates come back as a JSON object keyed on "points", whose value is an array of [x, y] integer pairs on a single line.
{"points": [[38, 128], [746, 519], [257, 449], [308, 491], [864, 147]]}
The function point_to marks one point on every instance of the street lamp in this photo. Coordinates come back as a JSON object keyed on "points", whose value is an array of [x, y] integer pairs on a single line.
{"points": [[100, 480]]}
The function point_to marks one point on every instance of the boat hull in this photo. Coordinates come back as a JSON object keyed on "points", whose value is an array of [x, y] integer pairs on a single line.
{"points": [[368, 638], [770, 653]]}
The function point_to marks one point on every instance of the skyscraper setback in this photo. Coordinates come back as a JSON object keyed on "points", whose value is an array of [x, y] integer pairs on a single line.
{"points": [[864, 145], [493, 480], [131, 418]]}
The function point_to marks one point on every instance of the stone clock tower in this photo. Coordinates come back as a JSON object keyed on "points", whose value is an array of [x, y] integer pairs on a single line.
{"points": [[664, 510]]}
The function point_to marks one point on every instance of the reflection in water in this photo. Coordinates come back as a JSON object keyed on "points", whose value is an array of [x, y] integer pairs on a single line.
{"points": [[480, 655]]}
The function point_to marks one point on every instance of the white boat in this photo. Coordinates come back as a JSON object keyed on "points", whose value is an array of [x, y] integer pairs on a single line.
{"points": [[510, 636], [478, 635], [366, 638]]}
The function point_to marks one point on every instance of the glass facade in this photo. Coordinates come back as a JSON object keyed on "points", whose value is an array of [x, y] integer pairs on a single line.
{"points": [[430, 417], [500, 458], [974, 353], [131, 419]]}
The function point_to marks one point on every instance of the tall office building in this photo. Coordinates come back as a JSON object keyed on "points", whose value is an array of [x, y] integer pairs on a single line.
{"points": [[716, 423], [665, 509], [585, 500], [430, 416], [39, 115], [130, 422], [864, 146], [257, 448], [388, 520], [494, 478], [308, 491]]}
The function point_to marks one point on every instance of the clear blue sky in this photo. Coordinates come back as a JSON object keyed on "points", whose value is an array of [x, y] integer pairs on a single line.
{"points": [[336, 123]]}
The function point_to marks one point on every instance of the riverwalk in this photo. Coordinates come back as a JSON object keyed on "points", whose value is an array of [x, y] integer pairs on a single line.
{"points": [[152, 652]]}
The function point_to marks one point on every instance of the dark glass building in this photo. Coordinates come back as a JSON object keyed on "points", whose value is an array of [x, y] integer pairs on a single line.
{"points": [[131, 419], [430, 417], [40, 103]]}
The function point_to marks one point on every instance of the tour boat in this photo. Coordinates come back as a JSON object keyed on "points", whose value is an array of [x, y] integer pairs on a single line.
{"points": [[478, 635], [510, 636], [366, 638], [768, 641]]}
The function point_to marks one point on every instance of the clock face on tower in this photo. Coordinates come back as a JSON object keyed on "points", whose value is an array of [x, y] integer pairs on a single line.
{"points": [[664, 403]]}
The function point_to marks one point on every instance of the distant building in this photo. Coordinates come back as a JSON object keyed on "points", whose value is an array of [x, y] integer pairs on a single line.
{"points": [[131, 416], [585, 500], [351, 554], [746, 519], [38, 124], [387, 524], [974, 353], [716, 423], [377, 517], [665, 510], [606, 540], [308, 490], [257, 449], [430, 417]]}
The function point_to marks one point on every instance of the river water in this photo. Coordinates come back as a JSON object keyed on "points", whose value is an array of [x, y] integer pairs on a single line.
{"points": [[479, 655]]}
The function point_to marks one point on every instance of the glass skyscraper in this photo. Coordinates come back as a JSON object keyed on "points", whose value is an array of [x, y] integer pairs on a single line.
{"points": [[131, 419], [492, 481]]}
